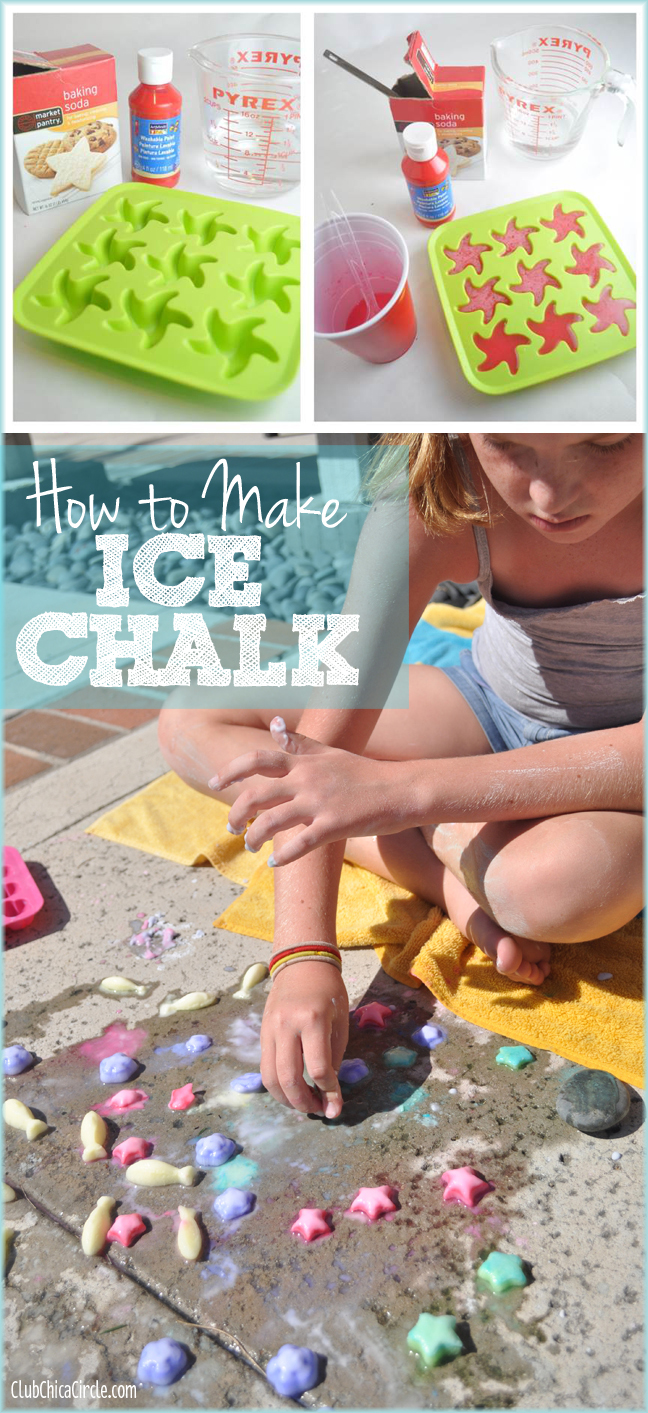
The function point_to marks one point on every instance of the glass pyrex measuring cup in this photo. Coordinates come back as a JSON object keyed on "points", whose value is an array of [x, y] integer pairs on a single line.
{"points": [[547, 78], [249, 95]]}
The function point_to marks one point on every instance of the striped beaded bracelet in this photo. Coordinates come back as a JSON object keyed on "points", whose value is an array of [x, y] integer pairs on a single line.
{"points": [[305, 952]]}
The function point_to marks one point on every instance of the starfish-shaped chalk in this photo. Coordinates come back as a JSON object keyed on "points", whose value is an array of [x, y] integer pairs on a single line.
{"points": [[373, 1014], [564, 223], [399, 1058], [182, 1098], [609, 312], [534, 280], [310, 1223], [555, 329], [464, 1185], [373, 1202], [483, 297], [466, 254], [516, 237], [434, 1338], [126, 1228], [589, 262], [515, 1057], [500, 347], [502, 1272]]}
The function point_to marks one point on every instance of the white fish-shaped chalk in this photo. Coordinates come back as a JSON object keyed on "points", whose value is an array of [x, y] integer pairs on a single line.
{"points": [[194, 1001], [97, 1226], [94, 1133], [151, 1172], [17, 1115], [254, 974], [7, 1238], [189, 1234], [8, 1194], [121, 986]]}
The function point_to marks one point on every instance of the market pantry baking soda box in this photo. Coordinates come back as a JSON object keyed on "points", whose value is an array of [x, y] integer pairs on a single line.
{"points": [[452, 99], [65, 126]]}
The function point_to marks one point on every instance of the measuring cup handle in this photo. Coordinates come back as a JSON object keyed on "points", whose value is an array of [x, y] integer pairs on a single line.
{"points": [[626, 89]]}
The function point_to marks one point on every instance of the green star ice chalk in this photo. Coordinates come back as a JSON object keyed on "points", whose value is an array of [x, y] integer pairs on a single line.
{"points": [[435, 1339], [515, 1057], [502, 1272]]}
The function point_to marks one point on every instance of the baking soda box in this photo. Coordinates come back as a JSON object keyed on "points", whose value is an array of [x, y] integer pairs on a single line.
{"points": [[452, 98], [65, 126]]}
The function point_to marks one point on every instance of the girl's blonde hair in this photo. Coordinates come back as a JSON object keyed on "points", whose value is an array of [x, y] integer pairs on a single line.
{"points": [[437, 486]]}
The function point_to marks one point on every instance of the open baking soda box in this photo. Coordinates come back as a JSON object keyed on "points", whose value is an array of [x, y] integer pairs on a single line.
{"points": [[533, 290]]}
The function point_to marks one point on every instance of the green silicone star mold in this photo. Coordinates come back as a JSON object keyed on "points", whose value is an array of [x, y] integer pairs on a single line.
{"points": [[501, 1272], [435, 1339], [189, 288], [515, 1057], [533, 290]]}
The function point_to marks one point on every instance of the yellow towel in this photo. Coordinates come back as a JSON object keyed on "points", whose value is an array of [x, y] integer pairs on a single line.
{"points": [[598, 1024]]}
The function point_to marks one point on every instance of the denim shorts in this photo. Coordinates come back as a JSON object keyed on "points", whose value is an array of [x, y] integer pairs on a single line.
{"points": [[505, 727]]}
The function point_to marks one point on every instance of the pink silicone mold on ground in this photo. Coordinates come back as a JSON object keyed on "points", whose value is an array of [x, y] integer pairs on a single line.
{"points": [[21, 897]]}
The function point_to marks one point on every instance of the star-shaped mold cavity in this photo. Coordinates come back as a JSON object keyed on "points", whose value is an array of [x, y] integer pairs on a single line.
{"points": [[609, 311], [465, 1185], [73, 297], [434, 1338], [237, 342], [152, 317], [564, 223], [589, 262], [555, 329], [465, 255], [500, 347], [256, 286], [374, 1202], [273, 241], [311, 1223], [516, 237], [534, 280], [111, 249], [137, 214], [205, 228], [374, 1013], [501, 1272], [483, 297], [179, 263]]}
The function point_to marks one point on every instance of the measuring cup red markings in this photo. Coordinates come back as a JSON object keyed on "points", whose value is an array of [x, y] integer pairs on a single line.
{"points": [[250, 108]]}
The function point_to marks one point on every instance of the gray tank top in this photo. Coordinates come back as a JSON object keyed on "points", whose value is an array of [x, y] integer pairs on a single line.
{"points": [[578, 667]]}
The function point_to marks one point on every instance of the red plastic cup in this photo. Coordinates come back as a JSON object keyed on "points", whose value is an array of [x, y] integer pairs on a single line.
{"points": [[341, 313]]}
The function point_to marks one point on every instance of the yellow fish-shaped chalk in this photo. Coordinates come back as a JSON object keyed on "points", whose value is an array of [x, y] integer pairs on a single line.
{"points": [[17, 1115], [97, 1226], [150, 1172], [7, 1238], [94, 1133], [8, 1194], [189, 1234], [254, 974], [194, 1001], [121, 986]]}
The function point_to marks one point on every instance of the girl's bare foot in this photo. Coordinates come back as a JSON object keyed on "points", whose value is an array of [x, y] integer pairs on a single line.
{"points": [[517, 957]]}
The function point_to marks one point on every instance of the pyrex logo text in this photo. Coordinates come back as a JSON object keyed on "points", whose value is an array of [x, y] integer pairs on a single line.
{"points": [[262, 105], [555, 42], [528, 107], [268, 56]]}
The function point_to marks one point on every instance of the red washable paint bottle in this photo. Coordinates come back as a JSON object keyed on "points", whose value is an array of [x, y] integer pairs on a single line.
{"points": [[427, 172], [155, 108]]}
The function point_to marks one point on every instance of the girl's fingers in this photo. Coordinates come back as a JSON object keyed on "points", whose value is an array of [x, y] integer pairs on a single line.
{"points": [[253, 801], [319, 1063], [287, 815], [290, 1075], [292, 741], [312, 837], [254, 763]]}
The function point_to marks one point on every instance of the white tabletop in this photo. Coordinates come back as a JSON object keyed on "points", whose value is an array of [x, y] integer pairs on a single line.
{"points": [[357, 156], [51, 385]]}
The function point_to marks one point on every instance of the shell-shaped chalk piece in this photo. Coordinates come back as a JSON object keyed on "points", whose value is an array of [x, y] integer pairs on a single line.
{"points": [[7, 1238], [94, 1133], [197, 1043], [126, 1228], [162, 1362], [15, 1059], [131, 1150], [121, 986], [189, 1234], [193, 1001], [8, 1194], [293, 1370], [96, 1227], [151, 1172], [117, 1068], [254, 974], [17, 1115], [126, 1099], [214, 1149], [182, 1098]]}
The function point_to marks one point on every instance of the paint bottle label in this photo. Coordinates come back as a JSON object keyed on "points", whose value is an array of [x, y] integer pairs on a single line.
{"points": [[432, 203], [155, 144]]}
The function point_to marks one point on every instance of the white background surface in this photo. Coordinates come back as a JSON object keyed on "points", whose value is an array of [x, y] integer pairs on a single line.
{"points": [[357, 155], [51, 383]]}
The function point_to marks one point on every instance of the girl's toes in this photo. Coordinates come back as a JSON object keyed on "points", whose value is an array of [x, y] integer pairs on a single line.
{"points": [[509, 956]]}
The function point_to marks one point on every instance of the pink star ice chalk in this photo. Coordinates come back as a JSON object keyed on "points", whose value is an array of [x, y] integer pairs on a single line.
{"points": [[465, 1185], [125, 1229], [310, 1223], [373, 1014], [182, 1098], [373, 1202]]}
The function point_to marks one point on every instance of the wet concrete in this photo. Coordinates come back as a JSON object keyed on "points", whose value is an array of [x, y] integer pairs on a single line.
{"points": [[571, 1339]]}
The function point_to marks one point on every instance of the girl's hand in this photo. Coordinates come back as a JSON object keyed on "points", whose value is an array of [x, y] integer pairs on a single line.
{"points": [[331, 793], [305, 1023]]}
